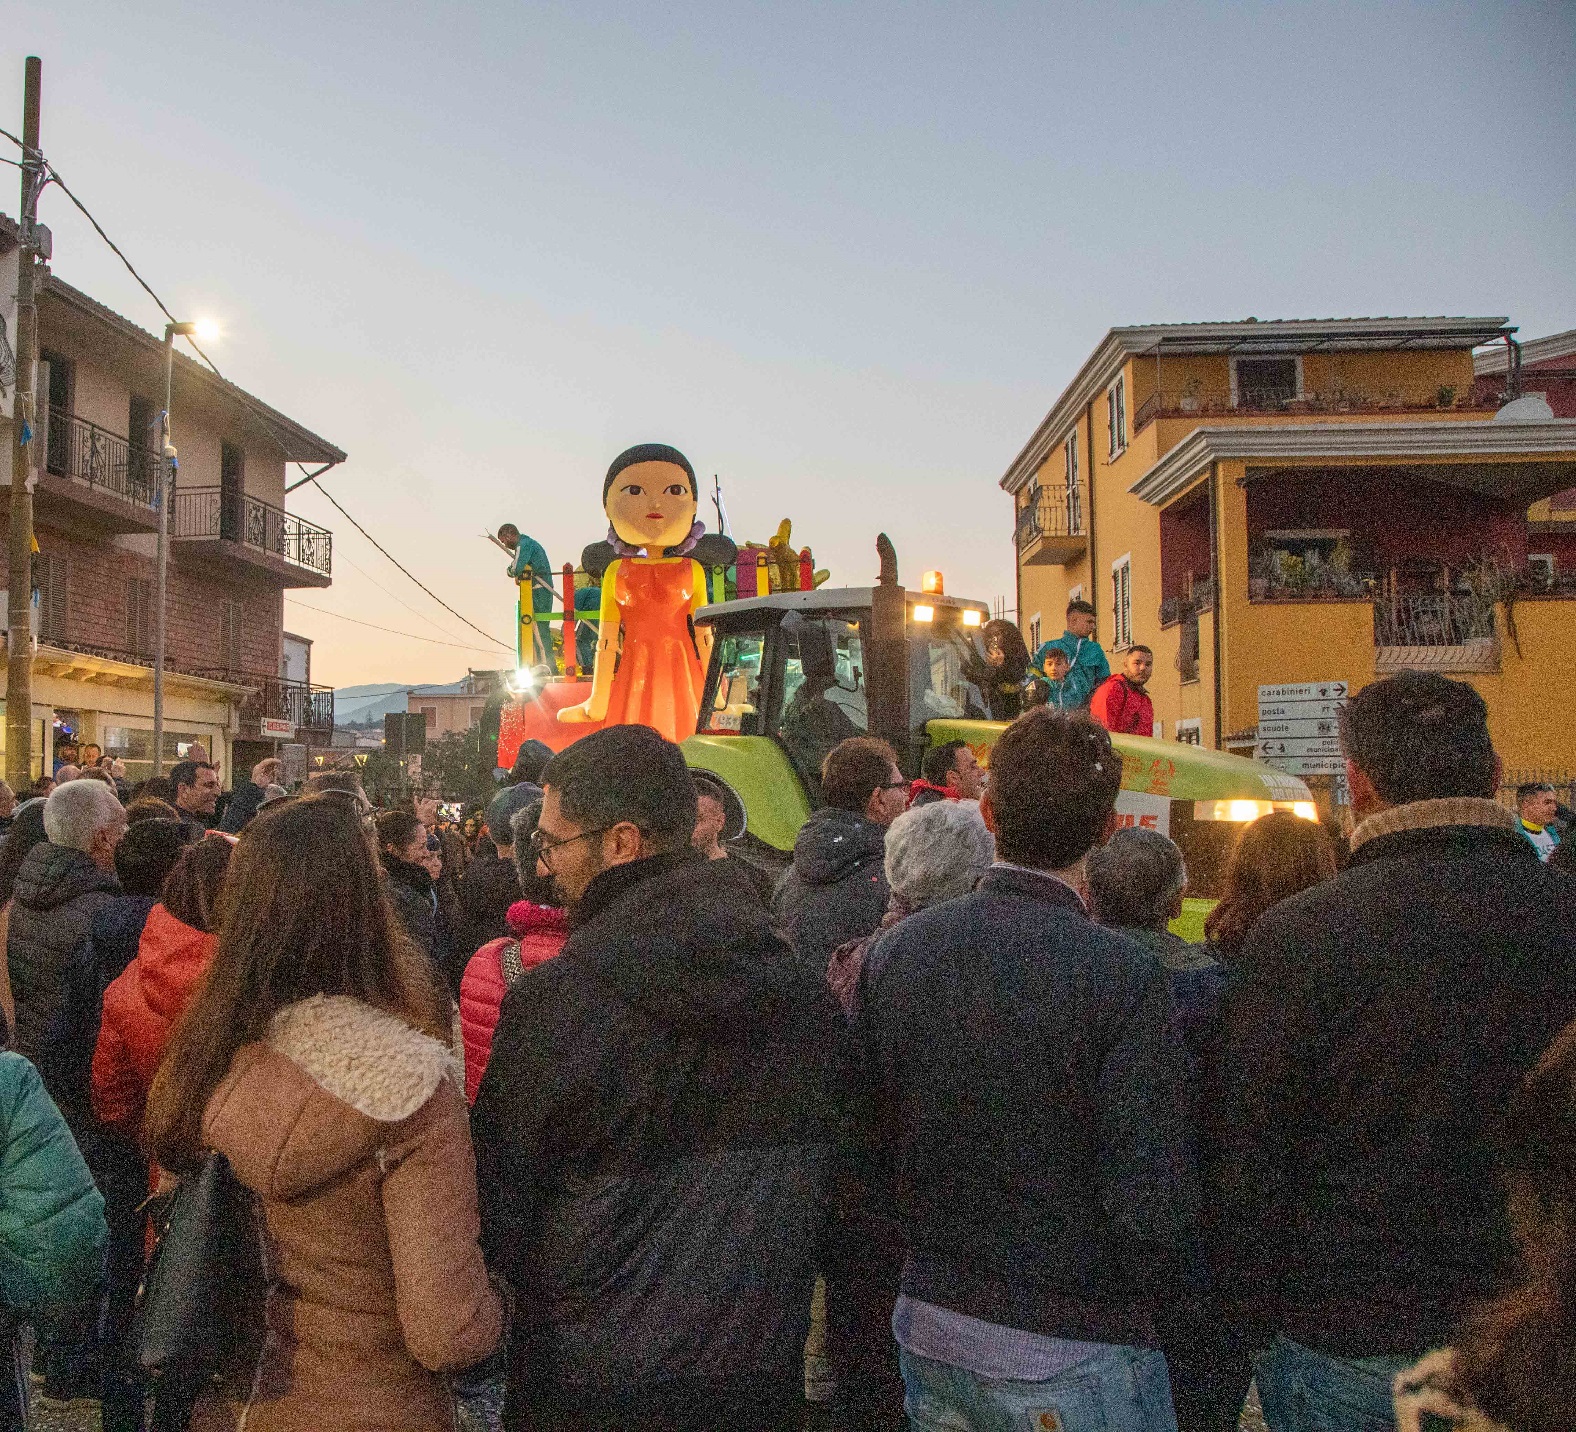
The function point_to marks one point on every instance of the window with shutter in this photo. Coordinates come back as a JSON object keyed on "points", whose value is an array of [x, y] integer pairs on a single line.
{"points": [[1122, 602], [52, 577], [139, 616], [230, 636]]}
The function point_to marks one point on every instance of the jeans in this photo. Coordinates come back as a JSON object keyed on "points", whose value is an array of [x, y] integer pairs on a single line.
{"points": [[1306, 1391], [1120, 1389]]}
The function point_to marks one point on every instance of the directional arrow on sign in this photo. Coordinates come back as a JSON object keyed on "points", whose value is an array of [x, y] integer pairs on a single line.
{"points": [[1308, 710], [1299, 726], [1305, 691], [1274, 751]]}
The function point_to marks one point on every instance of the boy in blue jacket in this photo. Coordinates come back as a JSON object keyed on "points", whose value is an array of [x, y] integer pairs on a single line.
{"points": [[1086, 663]]}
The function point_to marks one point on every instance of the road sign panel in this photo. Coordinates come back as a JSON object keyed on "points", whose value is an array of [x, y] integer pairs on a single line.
{"points": [[1299, 726], [1275, 751], [1297, 710], [1304, 691], [1311, 765]]}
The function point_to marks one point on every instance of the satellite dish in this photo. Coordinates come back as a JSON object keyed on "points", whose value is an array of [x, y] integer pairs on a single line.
{"points": [[1528, 408]]}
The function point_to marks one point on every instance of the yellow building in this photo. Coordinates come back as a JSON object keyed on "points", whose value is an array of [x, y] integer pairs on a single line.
{"points": [[1303, 502]]}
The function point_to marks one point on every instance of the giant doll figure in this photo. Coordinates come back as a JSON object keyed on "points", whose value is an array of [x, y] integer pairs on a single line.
{"points": [[650, 657]]}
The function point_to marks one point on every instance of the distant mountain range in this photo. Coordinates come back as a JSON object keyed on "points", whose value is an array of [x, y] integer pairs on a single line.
{"points": [[368, 705]]}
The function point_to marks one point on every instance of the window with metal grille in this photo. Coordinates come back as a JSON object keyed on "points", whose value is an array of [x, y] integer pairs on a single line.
{"points": [[139, 616], [52, 576], [1122, 602]]}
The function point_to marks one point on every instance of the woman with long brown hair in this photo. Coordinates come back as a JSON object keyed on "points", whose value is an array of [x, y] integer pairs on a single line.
{"points": [[1277, 856], [1514, 1363], [315, 1057]]}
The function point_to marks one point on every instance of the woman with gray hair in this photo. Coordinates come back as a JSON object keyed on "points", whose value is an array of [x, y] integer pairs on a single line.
{"points": [[934, 852]]}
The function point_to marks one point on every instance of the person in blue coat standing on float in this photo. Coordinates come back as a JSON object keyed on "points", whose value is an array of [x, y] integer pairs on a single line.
{"points": [[1086, 663]]}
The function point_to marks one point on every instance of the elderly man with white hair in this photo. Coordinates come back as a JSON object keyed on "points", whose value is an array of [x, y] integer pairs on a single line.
{"points": [[934, 852], [64, 881]]}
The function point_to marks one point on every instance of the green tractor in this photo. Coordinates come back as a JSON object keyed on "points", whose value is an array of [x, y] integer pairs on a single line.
{"points": [[794, 672]]}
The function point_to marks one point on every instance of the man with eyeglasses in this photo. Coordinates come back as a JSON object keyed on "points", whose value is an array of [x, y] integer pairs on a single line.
{"points": [[654, 1128], [836, 889]]}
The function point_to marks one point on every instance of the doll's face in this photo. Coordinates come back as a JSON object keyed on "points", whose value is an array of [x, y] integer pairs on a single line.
{"points": [[650, 505]]}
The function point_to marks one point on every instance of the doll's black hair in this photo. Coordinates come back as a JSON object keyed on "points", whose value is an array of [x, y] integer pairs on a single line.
{"points": [[712, 550], [649, 452]]}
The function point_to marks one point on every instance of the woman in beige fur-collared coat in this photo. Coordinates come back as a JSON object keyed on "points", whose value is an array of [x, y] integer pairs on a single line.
{"points": [[315, 1058]]}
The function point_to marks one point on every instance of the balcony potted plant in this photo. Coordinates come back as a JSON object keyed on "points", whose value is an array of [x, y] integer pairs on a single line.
{"points": [[1260, 570], [1191, 390], [1445, 397]]}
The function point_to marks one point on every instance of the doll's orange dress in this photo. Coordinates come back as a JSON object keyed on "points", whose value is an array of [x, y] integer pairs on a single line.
{"points": [[659, 677]]}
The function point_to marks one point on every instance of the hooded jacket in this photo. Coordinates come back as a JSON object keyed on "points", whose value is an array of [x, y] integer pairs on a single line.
{"points": [[1121, 706], [141, 1007], [58, 892], [1372, 1034], [1087, 667], [51, 1216], [349, 1126], [539, 932], [653, 1137], [836, 889]]}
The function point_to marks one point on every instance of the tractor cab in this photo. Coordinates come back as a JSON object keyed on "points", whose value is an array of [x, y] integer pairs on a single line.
{"points": [[809, 669], [793, 673]]}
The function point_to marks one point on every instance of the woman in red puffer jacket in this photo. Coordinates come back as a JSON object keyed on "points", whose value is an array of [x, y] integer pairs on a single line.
{"points": [[536, 934], [144, 1003]]}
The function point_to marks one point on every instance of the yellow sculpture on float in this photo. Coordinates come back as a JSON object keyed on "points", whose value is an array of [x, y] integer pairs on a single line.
{"points": [[650, 657]]}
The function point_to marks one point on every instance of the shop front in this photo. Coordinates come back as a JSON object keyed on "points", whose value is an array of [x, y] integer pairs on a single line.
{"points": [[82, 700]]}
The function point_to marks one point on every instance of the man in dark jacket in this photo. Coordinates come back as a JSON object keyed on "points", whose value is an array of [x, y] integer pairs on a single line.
{"points": [[835, 890], [653, 1131], [491, 883], [1024, 1097], [63, 883], [248, 800], [1367, 1056]]}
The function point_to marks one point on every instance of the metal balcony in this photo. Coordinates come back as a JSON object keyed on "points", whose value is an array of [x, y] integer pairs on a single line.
{"points": [[218, 527], [279, 698], [1434, 632], [1051, 530], [97, 477]]}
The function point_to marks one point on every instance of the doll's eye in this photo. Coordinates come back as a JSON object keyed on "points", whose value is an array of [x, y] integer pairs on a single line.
{"points": [[634, 488], [676, 490]]}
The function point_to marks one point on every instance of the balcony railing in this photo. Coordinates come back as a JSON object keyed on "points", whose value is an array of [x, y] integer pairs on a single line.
{"points": [[1051, 512], [1435, 632], [1191, 401], [90, 454], [279, 698], [210, 512]]}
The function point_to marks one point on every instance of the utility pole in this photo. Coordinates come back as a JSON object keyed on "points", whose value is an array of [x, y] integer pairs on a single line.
{"points": [[19, 624]]}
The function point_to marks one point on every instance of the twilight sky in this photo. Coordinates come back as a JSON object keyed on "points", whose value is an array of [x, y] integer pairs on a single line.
{"points": [[843, 255]]}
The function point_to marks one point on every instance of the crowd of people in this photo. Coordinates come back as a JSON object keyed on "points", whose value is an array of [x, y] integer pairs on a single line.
{"points": [[606, 1124]]}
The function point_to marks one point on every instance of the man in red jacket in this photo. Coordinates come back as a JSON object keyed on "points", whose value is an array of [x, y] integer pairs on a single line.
{"points": [[1120, 703]]}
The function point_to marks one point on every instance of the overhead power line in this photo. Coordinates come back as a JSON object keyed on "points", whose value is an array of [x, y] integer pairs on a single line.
{"points": [[54, 177], [323, 611], [417, 580]]}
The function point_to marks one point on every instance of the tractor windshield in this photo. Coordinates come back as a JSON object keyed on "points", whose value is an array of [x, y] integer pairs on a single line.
{"points": [[944, 661]]}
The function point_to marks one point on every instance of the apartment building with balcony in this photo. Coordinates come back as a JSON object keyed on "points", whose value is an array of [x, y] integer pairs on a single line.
{"points": [[1303, 501], [234, 548]]}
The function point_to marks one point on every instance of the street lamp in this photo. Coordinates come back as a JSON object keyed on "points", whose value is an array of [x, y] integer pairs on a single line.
{"points": [[207, 330]]}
